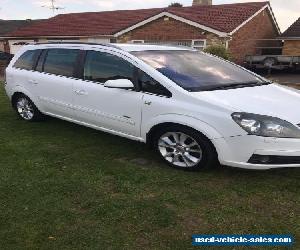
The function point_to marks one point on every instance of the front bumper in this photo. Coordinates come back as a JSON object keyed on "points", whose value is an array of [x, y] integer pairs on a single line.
{"points": [[239, 151]]}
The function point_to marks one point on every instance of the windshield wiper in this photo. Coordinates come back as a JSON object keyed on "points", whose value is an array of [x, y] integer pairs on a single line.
{"points": [[237, 85]]}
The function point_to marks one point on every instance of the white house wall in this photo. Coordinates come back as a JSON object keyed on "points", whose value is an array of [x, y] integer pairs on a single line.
{"points": [[14, 48]]}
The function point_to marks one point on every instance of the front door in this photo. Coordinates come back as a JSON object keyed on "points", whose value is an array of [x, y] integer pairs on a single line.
{"points": [[113, 109]]}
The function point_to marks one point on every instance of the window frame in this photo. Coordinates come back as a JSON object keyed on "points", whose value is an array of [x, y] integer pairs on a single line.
{"points": [[41, 59], [198, 46]]}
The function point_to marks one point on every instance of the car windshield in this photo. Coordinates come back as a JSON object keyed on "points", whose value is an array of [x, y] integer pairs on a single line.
{"points": [[196, 71]]}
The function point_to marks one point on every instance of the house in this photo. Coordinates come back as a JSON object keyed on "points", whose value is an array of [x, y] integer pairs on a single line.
{"points": [[291, 39], [8, 26], [236, 26]]}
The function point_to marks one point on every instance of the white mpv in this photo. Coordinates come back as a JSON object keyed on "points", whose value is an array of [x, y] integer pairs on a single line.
{"points": [[194, 109]]}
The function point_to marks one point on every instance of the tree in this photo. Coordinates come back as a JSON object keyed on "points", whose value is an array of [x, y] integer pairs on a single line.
{"points": [[175, 5]]}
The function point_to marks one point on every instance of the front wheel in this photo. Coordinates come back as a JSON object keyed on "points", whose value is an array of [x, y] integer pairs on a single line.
{"points": [[185, 148]]}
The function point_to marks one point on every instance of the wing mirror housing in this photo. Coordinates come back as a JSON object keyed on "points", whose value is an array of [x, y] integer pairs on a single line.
{"points": [[119, 84]]}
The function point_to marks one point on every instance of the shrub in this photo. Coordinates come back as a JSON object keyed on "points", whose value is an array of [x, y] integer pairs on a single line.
{"points": [[218, 50]]}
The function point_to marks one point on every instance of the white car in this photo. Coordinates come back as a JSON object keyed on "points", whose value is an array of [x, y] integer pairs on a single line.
{"points": [[195, 109]]}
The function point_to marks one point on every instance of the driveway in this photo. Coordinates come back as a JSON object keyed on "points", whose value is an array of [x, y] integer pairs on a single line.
{"points": [[288, 79], [285, 78]]}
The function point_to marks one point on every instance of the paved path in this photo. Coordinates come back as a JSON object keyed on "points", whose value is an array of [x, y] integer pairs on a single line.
{"points": [[285, 78]]}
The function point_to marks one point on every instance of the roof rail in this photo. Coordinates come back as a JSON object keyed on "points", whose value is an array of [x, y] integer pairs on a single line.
{"points": [[101, 44]]}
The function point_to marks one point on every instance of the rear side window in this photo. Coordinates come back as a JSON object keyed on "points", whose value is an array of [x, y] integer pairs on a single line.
{"points": [[61, 62], [101, 67], [27, 60]]}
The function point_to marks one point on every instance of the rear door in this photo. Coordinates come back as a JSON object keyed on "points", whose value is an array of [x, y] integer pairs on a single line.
{"points": [[23, 72], [54, 79]]}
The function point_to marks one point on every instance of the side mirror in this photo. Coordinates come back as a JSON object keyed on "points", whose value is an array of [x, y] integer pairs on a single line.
{"points": [[119, 84]]}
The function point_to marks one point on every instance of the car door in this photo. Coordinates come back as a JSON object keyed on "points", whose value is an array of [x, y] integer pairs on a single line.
{"points": [[53, 81], [113, 109], [24, 72], [157, 99]]}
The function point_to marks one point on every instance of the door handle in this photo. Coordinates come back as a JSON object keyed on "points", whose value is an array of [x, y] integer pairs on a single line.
{"points": [[147, 103], [81, 92], [33, 82]]}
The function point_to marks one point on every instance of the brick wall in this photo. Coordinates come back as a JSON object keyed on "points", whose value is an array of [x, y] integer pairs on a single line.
{"points": [[167, 30], [243, 41], [291, 48]]}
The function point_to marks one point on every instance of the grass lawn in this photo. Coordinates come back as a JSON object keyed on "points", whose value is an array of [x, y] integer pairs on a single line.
{"points": [[64, 186]]}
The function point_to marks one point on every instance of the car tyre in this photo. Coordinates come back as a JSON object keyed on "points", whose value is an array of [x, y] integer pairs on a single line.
{"points": [[26, 109], [269, 62], [185, 148]]}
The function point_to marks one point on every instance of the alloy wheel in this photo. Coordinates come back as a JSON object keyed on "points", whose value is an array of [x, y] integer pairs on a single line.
{"points": [[180, 149], [25, 108]]}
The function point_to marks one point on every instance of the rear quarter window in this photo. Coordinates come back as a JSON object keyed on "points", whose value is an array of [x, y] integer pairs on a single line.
{"points": [[27, 60]]}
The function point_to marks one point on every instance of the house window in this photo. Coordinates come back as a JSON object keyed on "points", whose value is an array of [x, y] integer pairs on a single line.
{"points": [[196, 44], [137, 41], [199, 44], [186, 43]]}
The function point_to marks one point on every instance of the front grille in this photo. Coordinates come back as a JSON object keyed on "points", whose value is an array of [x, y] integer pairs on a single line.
{"points": [[274, 159]]}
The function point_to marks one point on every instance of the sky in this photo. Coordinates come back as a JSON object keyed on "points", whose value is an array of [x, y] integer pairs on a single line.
{"points": [[286, 11]]}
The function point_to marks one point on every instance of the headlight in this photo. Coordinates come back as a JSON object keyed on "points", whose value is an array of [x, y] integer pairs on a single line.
{"points": [[267, 126]]}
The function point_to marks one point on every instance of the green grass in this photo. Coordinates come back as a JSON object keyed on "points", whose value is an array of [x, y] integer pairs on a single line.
{"points": [[64, 186]]}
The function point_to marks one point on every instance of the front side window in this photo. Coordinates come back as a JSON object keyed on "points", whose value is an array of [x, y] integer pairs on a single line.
{"points": [[101, 67], [149, 85], [27, 60], [196, 71], [61, 62]]}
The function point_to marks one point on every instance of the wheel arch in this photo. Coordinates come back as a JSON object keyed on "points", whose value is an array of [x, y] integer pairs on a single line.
{"points": [[15, 96], [22, 91], [203, 128]]}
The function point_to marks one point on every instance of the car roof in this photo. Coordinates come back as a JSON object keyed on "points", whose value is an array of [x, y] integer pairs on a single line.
{"points": [[121, 46]]}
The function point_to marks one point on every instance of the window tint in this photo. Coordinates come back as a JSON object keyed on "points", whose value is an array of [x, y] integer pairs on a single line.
{"points": [[149, 85], [61, 61], [195, 71], [27, 60], [101, 67]]}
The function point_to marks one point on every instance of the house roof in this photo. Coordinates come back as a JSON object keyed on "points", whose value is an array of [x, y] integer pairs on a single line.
{"points": [[293, 31], [8, 26], [223, 18]]}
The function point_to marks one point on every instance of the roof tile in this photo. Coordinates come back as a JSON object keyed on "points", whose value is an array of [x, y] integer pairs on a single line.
{"points": [[293, 30], [224, 18]]}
